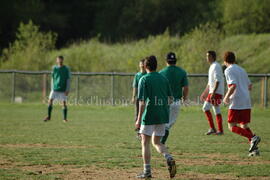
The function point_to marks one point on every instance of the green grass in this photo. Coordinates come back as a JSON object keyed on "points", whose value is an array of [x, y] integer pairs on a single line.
{"points": [[103, 138]]}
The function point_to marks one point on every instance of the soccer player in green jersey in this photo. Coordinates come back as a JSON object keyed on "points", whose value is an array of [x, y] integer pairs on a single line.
{"points": [[178, 80], [154, 96], [60, 85], [135, 84]]}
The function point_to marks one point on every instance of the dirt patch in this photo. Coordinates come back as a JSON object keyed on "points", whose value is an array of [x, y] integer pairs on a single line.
{"points": [[5, 164], [200, 176], [41, 146], [94, 173], [71, 172], [217, 159]]}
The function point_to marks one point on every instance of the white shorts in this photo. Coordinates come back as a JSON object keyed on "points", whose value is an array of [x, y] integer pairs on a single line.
{"points": [[174, 111], [153, 130], [58, 96]]}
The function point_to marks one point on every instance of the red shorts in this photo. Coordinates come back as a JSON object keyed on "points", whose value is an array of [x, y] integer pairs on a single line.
{"points": [[216, 101], [239, 116]]}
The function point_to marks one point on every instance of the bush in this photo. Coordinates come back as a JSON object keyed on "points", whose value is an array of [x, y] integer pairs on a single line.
{"points": [[246, 16], [30, 49], [195, 44], [34, 50], [95, 56]]}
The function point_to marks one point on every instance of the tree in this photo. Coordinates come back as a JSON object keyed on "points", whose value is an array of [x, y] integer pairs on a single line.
{"points": [[30, 49], [246, 16], [136, 19]]}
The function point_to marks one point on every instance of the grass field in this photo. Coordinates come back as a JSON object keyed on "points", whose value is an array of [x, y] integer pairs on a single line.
{"points": [[99, 143]]}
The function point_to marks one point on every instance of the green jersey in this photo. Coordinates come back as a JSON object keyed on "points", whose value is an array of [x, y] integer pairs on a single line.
{"points": [[60, 78], [136, 79], [177, 78], [154, 90]]}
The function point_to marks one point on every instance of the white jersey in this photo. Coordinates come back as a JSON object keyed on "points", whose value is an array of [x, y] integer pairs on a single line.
{"points": [[215, 74], [240, 99]]}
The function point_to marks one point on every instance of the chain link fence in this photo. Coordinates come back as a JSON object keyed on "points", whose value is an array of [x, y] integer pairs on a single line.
{"points": [[108, 88]]}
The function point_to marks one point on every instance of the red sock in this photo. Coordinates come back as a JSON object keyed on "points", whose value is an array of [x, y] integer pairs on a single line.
{"points": [[242, 132], [210, 119], [249, 130], [219, 122]]}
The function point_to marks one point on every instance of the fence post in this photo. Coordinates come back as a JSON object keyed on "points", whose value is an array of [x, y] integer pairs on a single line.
{"points": [[77, 88], [265, 90], [44, 88], [262, 92], [112, 88], [13, 86]]}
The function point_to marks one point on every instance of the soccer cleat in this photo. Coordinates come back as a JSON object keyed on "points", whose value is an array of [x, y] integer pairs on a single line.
{"points": [[254, 142], [46, 119], [144, 175], [171, 167], [210, 131], [255, 152], [65, 120], [219, 133]]}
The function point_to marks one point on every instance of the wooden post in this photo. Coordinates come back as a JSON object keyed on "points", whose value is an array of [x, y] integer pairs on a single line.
{"points": [[44, 88], [13, 87], [112, 89], [77, 89], [265, 98], [262, 91]]}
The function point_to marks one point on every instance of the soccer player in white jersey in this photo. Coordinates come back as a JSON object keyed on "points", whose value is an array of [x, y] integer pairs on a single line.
{"points": [[213, 93], [239, 101]]}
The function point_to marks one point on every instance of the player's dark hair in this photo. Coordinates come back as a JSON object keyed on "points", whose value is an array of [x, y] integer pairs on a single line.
{"points": [[229, 57], [60, 57], [151, 63], [213, 54]]}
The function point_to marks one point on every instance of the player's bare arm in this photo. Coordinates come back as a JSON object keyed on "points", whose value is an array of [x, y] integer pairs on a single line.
{"points": [[205, 93], [134, 94], [230, 91], [214, 91], [185, 93], [139, 118]]}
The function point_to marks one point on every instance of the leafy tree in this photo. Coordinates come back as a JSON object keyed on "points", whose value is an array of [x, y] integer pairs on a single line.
{"points": [[30, 49], [195, 44], [135, 19], [246, 16]]}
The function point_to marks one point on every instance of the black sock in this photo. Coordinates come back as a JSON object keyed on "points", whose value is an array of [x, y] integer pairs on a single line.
{"points": [[50, 107], [165, 137], [65, 113]]}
